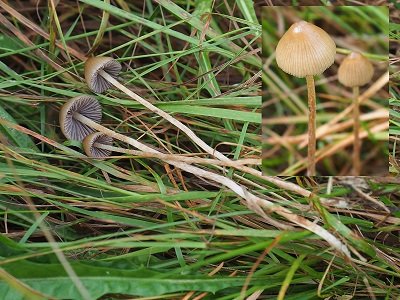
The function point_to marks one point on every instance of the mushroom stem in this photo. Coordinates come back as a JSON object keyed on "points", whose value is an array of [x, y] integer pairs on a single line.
{"points": [[311, 126], [166, 116], [356, 129]]}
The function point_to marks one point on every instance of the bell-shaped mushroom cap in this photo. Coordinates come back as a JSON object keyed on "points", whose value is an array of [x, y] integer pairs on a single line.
{"points": [[92, 67], [305, 49], [355, 70], [93, 151], [85, 105]]}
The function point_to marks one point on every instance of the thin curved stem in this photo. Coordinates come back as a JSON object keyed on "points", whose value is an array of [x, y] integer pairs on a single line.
{"points": [[254, 202], [311, 126], [356, 130]]}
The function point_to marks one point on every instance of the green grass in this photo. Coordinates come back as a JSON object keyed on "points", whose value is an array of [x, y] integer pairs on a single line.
{"points": [[133, 227]]}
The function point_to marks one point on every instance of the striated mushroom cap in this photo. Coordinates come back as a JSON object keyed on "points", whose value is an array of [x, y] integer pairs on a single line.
{"points": [[305, 49], [92, 67], [93, 151], [85, 105], [355, 70]]}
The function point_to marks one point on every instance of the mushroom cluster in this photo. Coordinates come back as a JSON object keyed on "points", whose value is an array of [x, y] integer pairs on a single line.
{"points": [[80, 119]]}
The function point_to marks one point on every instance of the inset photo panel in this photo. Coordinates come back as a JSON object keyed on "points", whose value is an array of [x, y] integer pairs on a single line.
{"points": [[325, 90]]}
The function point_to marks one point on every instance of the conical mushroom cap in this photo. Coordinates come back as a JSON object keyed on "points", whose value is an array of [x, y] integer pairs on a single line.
{"points": [[92, 67], [305, 49], [355, 70], [85, 105], [93, 151]]}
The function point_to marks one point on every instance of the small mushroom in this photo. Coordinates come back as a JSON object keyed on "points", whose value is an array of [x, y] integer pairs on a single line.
{"points": [[93, 142], [94, 65], [73, 110], [355, 71], [101, 74], [306, 50]]}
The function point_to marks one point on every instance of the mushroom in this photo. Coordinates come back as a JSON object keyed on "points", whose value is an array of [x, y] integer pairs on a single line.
{"points": [[101, 74], [306, 50], [93, 142], [355, 71], [94, 65], [75, 112]]}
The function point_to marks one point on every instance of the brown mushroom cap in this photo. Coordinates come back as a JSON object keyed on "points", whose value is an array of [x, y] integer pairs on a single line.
{"points": [[355, 70], [92, 67], [85, 105], [93, 151], [305, 49]]}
